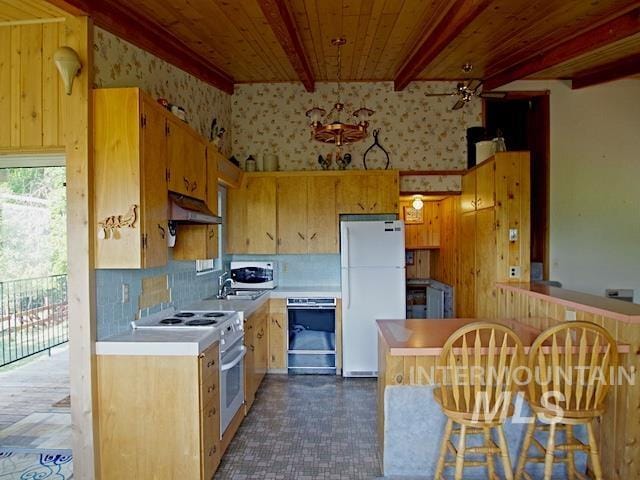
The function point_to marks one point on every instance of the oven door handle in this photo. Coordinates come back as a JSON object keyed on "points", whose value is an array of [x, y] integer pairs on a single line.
{"points": [[228, 366]]}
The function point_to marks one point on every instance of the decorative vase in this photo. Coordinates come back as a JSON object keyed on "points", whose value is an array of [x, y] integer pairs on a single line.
{"points": [[270, 161]]}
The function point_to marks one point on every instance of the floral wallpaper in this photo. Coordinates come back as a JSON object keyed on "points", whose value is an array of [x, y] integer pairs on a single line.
{"points": [[118, 63], [419, 132]]}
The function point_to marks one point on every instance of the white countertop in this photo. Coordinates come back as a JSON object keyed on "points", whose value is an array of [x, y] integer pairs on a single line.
{"points": [[168, 342], [181, 341]]}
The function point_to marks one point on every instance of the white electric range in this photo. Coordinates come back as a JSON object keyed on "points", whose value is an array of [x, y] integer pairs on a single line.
{"points": [[232, 349]]}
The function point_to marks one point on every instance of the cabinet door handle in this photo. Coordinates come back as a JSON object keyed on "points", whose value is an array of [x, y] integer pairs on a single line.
{"points": [[212, 412], [187, 183], [314, 235], [162, 231], [252, 348], [361, 206], [375, 204], [277, 323], [194, 186], [212, 450], [211, 389], [212, 233], [260, 334], [269, 235], [301, 236], [211, 363]]}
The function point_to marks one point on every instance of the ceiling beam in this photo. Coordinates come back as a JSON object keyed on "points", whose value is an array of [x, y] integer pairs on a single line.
{"points": [[623, 67], [284, 28], [459, 15], [596, 37], [149, 36]]}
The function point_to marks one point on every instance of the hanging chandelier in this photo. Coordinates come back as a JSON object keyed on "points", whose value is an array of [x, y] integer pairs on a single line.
{"points": [[334, 130]]}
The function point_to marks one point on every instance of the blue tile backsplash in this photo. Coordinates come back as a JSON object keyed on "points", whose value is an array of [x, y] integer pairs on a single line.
{"points": [[301, 270], [114, 317]]}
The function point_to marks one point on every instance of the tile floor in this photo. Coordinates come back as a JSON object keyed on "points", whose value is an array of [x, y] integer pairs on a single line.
{"points": [[307, 427]]}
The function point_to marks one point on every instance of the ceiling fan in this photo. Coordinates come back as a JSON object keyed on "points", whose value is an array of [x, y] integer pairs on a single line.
{"points": [[467, 90]]}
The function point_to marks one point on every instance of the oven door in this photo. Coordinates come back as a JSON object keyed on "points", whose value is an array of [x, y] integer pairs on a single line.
{"points": [[231, 383]]}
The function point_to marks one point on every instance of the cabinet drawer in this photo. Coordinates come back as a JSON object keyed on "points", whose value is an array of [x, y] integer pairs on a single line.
{"points": [[210, 441], [209, 364]]}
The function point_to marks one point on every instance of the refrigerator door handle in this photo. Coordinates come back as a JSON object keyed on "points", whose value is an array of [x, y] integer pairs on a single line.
{"points": [[348, 289], [346, 247]]}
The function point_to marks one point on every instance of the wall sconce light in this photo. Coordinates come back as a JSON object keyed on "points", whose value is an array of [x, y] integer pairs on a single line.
{"points": [[417, 202], [68, 63]]}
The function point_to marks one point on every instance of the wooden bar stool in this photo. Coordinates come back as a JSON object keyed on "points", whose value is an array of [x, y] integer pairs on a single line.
{"points": [[573, 360], [475, 389]]}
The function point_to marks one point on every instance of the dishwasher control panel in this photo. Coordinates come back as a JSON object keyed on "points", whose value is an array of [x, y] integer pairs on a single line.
{"points": [[311, 302]]}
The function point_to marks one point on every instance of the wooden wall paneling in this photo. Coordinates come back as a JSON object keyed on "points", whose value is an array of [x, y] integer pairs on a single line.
{"points": [[466, 288], [446, 258], [421, 265], [485, 267], [619, 428], [30, 89], [6, 97], [80, 253]]}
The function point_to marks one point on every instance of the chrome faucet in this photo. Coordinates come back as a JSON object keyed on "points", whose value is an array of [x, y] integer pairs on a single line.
{"points": [[223, 283]]}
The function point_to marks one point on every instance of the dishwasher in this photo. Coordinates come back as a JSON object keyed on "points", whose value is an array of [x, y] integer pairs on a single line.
{"points": [[311, 345]]}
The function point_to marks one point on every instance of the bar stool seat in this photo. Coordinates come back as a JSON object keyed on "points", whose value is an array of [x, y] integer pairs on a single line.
{"points": [[475, 379], [562, 401]]}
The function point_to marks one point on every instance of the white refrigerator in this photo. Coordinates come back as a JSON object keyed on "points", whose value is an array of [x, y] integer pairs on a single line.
{"points": [[373, 287]]}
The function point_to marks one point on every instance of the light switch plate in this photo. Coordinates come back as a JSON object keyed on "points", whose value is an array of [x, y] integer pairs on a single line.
{"points": [[570, 315], [513, 234], [514, 271], [125, 293]]}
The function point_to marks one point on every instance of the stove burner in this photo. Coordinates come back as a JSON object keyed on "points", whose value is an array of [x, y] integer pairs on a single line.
{"points": [[199, 322], [214, 315], [185, 314], [170, 321]]}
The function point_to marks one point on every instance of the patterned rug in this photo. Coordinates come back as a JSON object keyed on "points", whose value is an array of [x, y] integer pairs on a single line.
{"points": [[29, 464]]}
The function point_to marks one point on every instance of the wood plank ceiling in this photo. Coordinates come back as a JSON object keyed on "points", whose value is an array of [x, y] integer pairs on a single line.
{"points": [[28, 10], [400, 40]]}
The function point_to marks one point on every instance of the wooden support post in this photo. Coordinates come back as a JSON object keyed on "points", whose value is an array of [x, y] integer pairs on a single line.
{"points": [[80, 231]]}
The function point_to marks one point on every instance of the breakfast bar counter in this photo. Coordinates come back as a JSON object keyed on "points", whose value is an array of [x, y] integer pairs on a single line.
{"points": [[410, 422]]}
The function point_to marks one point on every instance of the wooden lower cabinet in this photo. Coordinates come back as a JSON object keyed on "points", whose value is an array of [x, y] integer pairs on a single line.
{"points": [[256, 360], [159, 416], [277, 335]]}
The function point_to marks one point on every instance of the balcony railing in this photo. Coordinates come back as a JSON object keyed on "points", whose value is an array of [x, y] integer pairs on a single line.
{"points": [[33, 316]]}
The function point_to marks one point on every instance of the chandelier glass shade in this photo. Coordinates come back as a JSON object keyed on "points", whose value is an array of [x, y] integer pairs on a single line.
{"points": [[328, 127]]}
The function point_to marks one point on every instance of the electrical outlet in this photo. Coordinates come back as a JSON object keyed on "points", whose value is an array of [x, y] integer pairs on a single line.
{"points": [[285, 267], [514, 271], [513, 234], [570, 315], [125, 293]]}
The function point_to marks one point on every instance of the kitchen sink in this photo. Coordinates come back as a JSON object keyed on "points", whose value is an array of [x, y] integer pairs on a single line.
{"points": [[245, 294]]}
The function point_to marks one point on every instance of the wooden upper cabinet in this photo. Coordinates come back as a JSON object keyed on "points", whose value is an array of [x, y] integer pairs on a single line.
{"points": [[154, 186], [485, 185], [322, 217], [130, 179], [382, 193], [211, 198], [468, 197], [261, 215], [186, 158], [351, 194], [235, 221], [292, 215]]}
